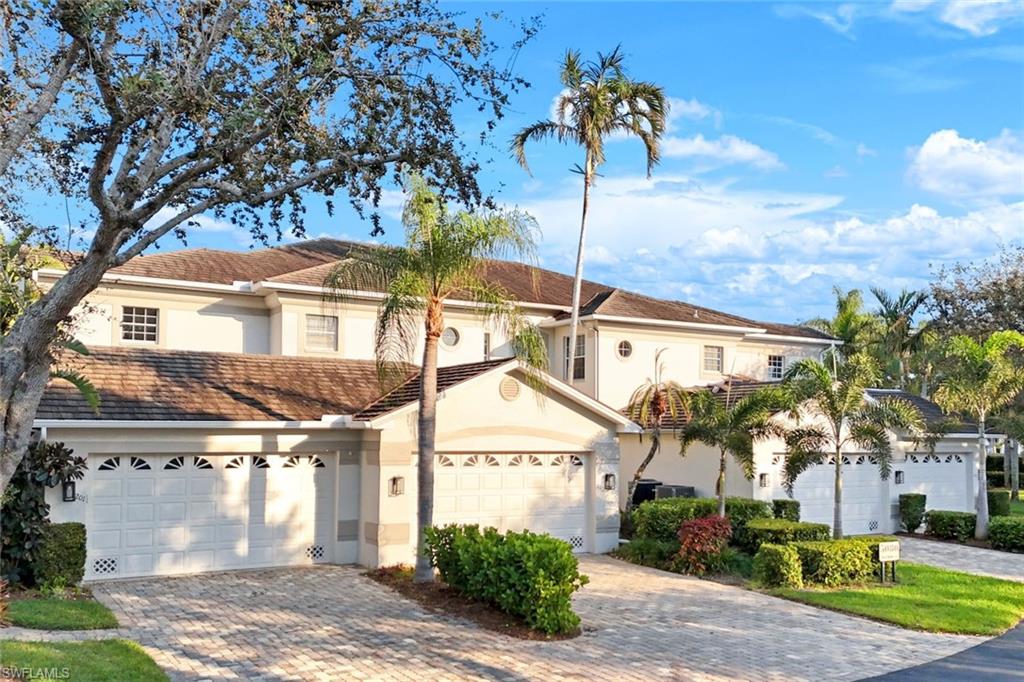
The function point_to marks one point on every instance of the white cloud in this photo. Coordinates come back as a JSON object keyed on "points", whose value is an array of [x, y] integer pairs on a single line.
{"points": [[864, 150], [692, 109], [726, 150], [836, 172], [966, 168], [975, 17], [981, 17]]}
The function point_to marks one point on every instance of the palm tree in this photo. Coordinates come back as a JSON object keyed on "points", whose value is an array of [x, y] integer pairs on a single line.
{"points": [[598, 100], [841, 413], [980, 379], [851, 324], [900, 337], [444, 255], [651, 403], [732, 426]]}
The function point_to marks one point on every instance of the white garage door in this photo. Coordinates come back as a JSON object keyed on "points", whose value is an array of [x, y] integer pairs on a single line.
{"points": [[946, 480], [865, 507], [543, 493], [167, 514]]}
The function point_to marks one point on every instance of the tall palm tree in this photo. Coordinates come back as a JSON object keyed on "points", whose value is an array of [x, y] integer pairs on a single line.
{"points": [[734, 427], [443, 256], [840, 413], [980, 379], [656, 400], [900, 336], [598, 100], [851, 323]]}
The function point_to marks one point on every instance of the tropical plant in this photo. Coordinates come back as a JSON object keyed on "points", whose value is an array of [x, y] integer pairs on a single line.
{"points": [[598, 101], [444, 255], [851, 323], [838, 412], [900, 337], [733, 426], [981, 378], [656, 400]]}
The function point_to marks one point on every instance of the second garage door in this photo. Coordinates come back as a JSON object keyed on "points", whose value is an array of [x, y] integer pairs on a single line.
{"points": [[540, 492]]}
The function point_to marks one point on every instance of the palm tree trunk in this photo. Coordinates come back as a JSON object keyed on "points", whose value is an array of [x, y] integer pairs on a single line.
{"points": [[655, 446], [425, 478], [902, 371], [720, 484], [1014, 446], [981, 501], [837, 509], [577, 283]]}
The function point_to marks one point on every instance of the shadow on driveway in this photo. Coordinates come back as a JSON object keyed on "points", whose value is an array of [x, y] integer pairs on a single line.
{"points": [[998, 659]]}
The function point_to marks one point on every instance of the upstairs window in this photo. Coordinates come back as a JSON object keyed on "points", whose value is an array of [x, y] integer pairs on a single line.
{"points": [[487, 345], [714, 359], [322, 332], [139, 324], [580, 360], [776, 366]]}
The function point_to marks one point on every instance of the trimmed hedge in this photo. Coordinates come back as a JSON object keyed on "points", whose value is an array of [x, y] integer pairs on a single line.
{"points": [[836, 562], [525, 574], [778, 566], [647, 552], [998, 502], [912, 507], [661, 519], [950, 525], [786, 509], [994, 479], [61, 557], [1007, 533], [701, 543], [781, 532]]}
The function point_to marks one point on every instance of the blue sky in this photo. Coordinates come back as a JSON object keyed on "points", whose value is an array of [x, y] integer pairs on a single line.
{"points": [[811, 145]]}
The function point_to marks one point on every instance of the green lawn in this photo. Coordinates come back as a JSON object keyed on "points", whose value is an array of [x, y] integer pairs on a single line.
{"points": [[1017, 507], [60, 614], [99, 661], [928, 598]]}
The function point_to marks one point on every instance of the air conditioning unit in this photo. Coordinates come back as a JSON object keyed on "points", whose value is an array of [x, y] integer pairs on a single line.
{"points": [[663, 491]]}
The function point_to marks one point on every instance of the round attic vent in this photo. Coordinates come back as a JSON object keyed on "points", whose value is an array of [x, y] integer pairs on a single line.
{"points": [[509, 388]]}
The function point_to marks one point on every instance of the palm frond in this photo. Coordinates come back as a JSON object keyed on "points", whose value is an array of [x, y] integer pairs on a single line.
{"points": [[536, 132], [874, 438], [82, 383], [804, 449]]}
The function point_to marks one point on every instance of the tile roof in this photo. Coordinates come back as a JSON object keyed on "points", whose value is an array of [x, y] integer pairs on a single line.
{"points": [[932, 413], [308, 262]]}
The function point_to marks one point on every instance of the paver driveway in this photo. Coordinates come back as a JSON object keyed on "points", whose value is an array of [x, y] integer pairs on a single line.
{"points": [[963, 558], [332, 622]]}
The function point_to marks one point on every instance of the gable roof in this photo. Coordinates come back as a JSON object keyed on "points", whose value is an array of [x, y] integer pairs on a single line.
{"points": [[932, 413], [307, 263]]}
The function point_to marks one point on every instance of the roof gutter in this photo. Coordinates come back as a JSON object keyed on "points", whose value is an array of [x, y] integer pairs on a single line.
{"points": [[792, 339], [110, 278], [658, 323], [325, 423]]}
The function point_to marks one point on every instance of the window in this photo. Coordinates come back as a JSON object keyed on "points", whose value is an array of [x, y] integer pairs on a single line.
{"points": [[776, 366], [579, 360], [139, 324], [321, 332], [450, 337], [762, 480], [624, 349], [487, 345], [714, 358]]}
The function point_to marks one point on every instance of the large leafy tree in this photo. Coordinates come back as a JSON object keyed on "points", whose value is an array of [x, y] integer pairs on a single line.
{"points": [[977, 299], [148, 114], [851, 323], [834, 412], [981, 377], [653, 403], [444, 257], [598, 100], [900, 336], [733, 426]]}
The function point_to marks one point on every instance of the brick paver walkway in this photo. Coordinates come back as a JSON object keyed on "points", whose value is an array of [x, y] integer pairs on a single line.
{"points": [[963, 558], [333, 623]]}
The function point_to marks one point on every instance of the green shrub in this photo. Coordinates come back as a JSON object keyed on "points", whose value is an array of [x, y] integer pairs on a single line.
{"points": [[1007, 532], [950, 525], [995, 479], [701, 542], [836, 562], [61, 557], [647, 552], [786, 508], [661, 519], [912, 511], [525, 574], [998, 502], [781, 532], [778, 566]]}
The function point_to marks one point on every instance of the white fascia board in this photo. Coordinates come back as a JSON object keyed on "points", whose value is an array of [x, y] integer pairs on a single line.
{"points": [[113, 278], [327, 422], [793, 339], [649, 322]]}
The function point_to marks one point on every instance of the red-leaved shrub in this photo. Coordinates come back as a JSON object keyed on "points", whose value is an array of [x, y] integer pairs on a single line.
{"points": [[701, 542]]}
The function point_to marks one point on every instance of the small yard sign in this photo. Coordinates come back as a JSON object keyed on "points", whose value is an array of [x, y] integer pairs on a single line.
{"points": [[888, 554]]}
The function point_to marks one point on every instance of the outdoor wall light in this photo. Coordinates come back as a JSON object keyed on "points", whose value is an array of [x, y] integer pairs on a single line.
{"points": [[609, 481], [396, 486], [762, 480], [68, 490], [899, 478]]}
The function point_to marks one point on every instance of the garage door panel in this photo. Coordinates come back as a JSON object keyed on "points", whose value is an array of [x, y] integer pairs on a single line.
{"points": [[171, 486], [139, 537], [104, 539], [106, 514], [106, 488], [145, 487]]}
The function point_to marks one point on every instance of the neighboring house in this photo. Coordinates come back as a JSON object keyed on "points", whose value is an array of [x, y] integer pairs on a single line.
{"points": [[242, 423], [870, 505]]}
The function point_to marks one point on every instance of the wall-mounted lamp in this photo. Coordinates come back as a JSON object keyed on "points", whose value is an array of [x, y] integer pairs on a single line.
{"points": [[609, 481], [68, 490], [762, 480], [899, 478], [396, 486]]}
